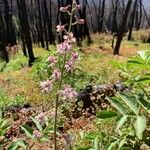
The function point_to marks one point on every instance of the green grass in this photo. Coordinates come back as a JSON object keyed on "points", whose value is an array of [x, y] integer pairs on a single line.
{"points": [[6, 100]]}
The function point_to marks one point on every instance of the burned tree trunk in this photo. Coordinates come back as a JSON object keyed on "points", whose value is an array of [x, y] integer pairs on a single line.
{"points": [[102, 17], [123, 28], [10, 31], [40, 31], [24, 25], [114, 23], [3, 39], [132, 21]]}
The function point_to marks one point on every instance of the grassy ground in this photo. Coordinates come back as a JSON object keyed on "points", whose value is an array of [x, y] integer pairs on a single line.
{"points": [[17, 81], [20, 84]]}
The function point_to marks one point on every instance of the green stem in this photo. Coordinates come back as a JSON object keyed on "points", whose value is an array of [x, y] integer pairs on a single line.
{"points": [[59, 88], [56, 104]]}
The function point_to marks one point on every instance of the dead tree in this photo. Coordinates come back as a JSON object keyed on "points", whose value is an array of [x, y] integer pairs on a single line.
{"points": [[24, 25], [132, 20], [122, 28]]}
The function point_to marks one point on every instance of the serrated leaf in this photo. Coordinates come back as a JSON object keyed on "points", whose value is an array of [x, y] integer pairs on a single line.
{"points": [[17, 144], [144, 103], [119, 106], [121, 122], [140, 126], [144, 80], [28, 130], [37, 123], [12, 146], [130, 102], [105, 114]]}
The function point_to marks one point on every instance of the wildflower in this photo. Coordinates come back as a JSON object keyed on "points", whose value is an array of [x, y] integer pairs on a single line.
{"points": [[80, 21], [37, 134], [46, 86], [69, 65], [64, 9], [41, 116], [78, 6], [52, 60], [60, 28], [68, 92], [56, 74], [64, 47], [75, 56], [69, 38]]}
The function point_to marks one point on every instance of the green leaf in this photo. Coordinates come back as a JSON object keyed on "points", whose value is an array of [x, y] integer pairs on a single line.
{"points": [[116, 64], [104, 114], [142, 54], [140, 126], [144, 80], [119, 106], [28, 131], [131, 102], [12, 146], [144, 103], [37, 123], [121, 122], [96, 144], [17, 144], [135, 62], [112, 145]]}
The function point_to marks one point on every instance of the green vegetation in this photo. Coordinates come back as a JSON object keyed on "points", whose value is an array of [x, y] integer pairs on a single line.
{"points": [[124, 125]]}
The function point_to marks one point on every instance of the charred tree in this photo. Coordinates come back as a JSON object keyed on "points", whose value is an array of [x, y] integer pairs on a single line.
{"points": [[24, 25], [102, 17], [123, 28], [40, 30], [10, 31], [132, 20], [3, 39], [114, 22]]}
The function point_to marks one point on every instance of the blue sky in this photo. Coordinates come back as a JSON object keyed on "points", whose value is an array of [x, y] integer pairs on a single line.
{"points": [[146, 2]]}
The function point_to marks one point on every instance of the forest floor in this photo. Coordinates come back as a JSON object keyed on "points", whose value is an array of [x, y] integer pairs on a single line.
{"points": [[19, 84], [17, 80]]}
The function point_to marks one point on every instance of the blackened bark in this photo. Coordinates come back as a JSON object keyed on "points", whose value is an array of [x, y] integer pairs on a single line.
{"points": [[132, 20], [123, 28], [102, 17], [40, 31], [24, 24], [115, 10], [11, 35], [48, 23], [3, 39]]}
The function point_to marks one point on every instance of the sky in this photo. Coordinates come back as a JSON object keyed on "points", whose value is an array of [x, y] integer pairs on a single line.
{"points": [[146, 2]]}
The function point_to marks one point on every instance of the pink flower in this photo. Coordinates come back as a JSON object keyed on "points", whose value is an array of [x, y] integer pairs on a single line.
{"points": [[69, 65], [78, 6], [41, 115], [80, 21], [37, 134], [56, 74], [60, 28], [64, 9], [64, 47], [52, 60], [46, 86], [69, 38], [75, 56], [68, 92]]}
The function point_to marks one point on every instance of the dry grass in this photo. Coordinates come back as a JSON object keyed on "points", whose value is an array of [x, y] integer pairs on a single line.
{"points": [[141, 35]]}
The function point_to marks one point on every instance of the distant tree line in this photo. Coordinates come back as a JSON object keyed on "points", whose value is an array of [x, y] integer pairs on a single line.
{"points": [[34, 21]]}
